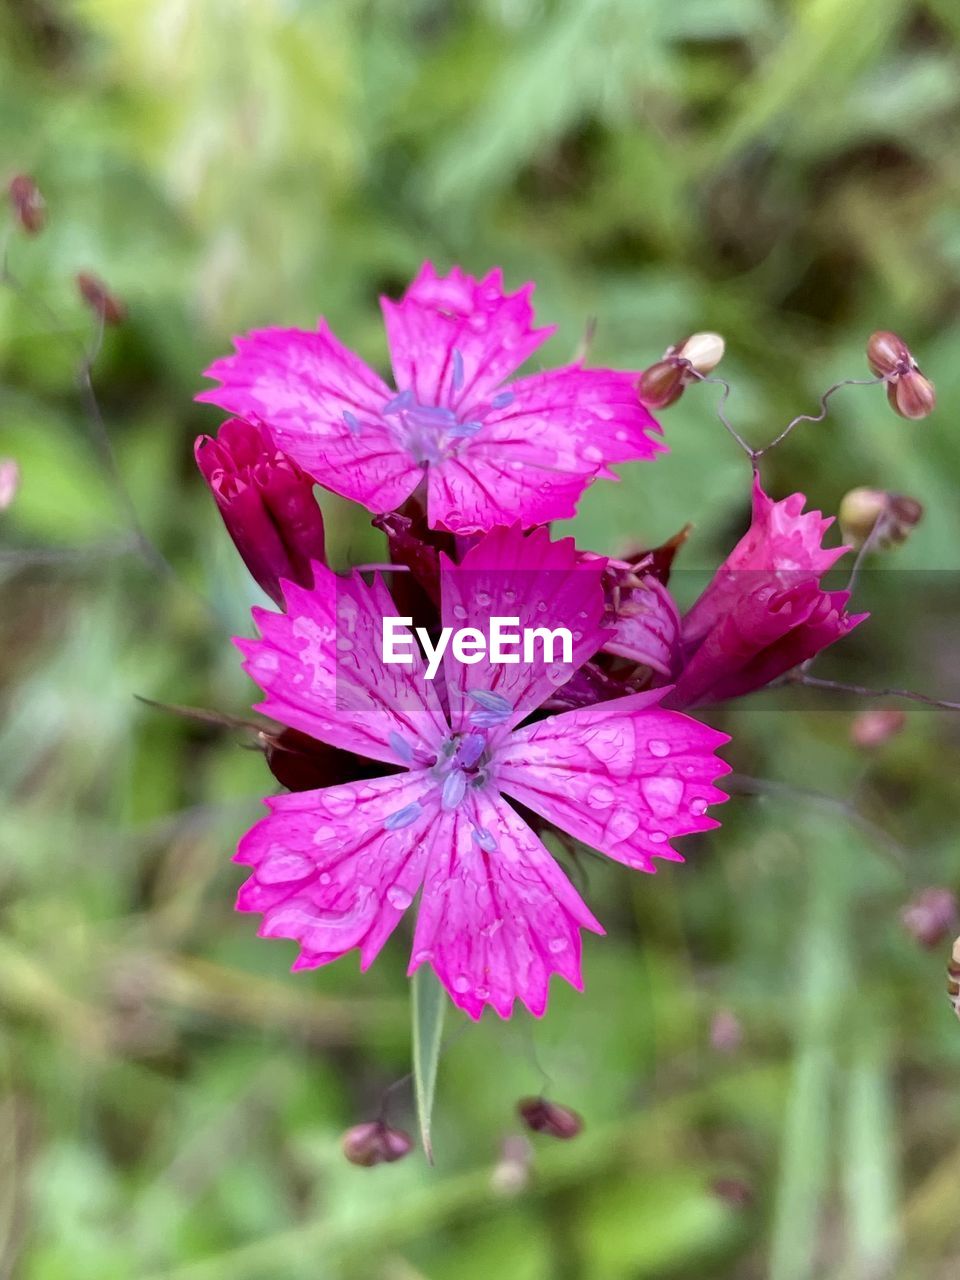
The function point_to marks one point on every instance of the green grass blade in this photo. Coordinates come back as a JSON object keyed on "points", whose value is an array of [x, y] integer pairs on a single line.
{"points": [[428, 1006]]}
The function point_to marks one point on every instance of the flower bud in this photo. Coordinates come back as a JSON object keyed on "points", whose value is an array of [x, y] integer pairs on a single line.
{"points": [[542, 1116], [266, 502], [912, 395], [931, 916], [874, 728], [702, 351], [375, 1143], [9, 482], [662, 384], [511, 1174], [726, 1033], [29, 206], [99, 299], [892, 515], [888, 354], [734, 1191]]}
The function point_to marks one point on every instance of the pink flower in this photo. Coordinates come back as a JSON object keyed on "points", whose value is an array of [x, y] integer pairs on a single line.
{"points": [[336, 868], [765, 611], [491, 453], [266, 502]]}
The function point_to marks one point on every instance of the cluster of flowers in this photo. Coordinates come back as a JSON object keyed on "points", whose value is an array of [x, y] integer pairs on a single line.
{"points": [[398, 786]]}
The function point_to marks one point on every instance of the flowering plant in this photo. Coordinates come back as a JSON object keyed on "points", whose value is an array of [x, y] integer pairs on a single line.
{"points": [[464, 466]]}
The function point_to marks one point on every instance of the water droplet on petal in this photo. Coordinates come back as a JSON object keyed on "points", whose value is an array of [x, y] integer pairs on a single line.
{"points": [[337, 802], [621, 824], [556, 945], [662, 794], [461, 984], [398, 897], [281, 867], [601, 797], [698, 807], [658, 747]]}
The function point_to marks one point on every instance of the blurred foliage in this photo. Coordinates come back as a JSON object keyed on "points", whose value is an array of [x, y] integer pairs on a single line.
{"points": [[171, 1099]]}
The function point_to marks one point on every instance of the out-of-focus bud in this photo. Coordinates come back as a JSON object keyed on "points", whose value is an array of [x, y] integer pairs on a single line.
{"points": [[893, 515], [953, 977], [887, 354], [543, 1116], [9, 482], [912, 395], [662, 384], [511, 1174], [726, 1033], [931, 916], [702, 351], [375, 1143], [29, 206], [99, 299], [266, 502], [874, 728], [734, 1191]]}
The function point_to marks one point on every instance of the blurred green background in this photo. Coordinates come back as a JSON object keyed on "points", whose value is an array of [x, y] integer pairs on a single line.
{"points": [[171, 1098]]}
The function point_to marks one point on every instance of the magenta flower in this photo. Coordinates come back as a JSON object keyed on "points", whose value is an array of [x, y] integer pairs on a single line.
{"points": [[336, 868], [764, 612], [266, 502], [491, 452]]}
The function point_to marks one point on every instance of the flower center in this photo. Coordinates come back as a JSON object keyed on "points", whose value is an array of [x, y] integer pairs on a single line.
{"points": [[432, 432], [462, 762]]}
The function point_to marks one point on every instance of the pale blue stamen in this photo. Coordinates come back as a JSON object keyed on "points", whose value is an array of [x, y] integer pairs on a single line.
{"points": [[351, 420], [470, 750], [484, 839], [502, 399], [402, 400], [493, 708], [403, 817], [460, 429], [454, 787], [457, 370], [401, 746]]}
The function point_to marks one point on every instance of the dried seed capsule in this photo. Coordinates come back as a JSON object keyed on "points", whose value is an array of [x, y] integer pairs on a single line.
{"points": [[662, 384], [887, 354], [99, 299], [29, 206], [892, 515], [375, 1143], [702, 351], [543, 1116], [912, 395]]}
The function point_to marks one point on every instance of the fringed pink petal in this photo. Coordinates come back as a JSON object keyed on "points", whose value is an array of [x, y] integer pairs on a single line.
{"points": [[337, 868], [540, 583], [625, 777], [323, 406], [453, 339], [647, 627], [497, 916], [321, 666]]}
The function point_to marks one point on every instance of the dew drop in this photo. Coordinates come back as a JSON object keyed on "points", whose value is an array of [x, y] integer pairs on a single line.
{"points": [[621, 824], [398, 897], [663, 795], [461, 984], [602, 797], [658, 747], [556, 945], [698, 807]]}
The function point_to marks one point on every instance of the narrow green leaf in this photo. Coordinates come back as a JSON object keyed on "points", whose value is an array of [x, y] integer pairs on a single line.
{"points": [[428, 1005]]}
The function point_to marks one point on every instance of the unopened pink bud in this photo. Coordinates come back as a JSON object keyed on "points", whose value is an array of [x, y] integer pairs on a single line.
{"points": [[931, 916], [9, 482], [543, 1116], [726, 1033], [29, 206], [375, 1143], [874, 728]]}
